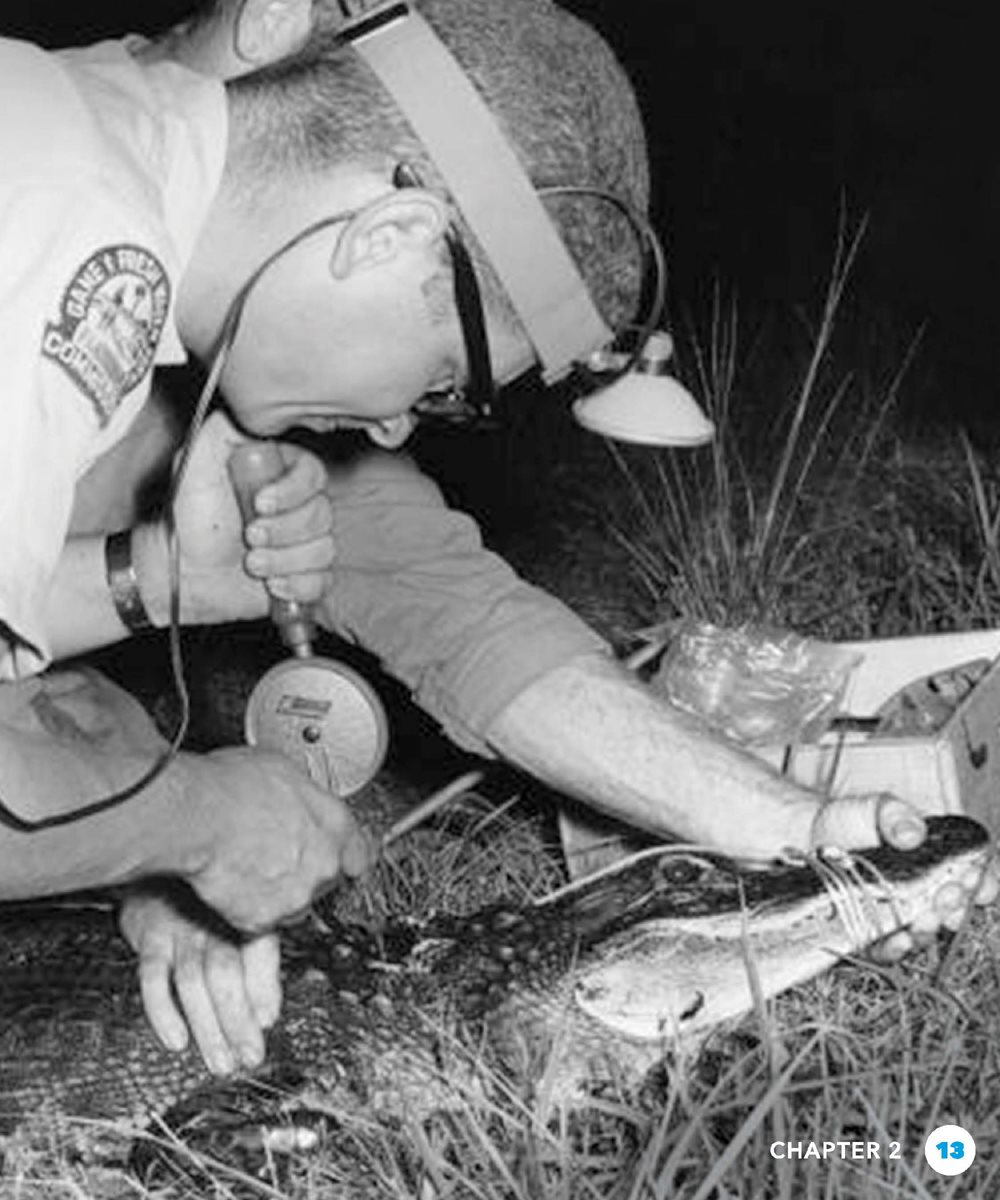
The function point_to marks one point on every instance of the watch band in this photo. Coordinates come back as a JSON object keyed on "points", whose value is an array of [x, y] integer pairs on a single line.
{"points": [[123, 583]]}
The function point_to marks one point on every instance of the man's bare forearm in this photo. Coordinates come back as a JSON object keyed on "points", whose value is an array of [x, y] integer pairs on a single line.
{"points": [[155, 832], [590, 730], [80, 615]]}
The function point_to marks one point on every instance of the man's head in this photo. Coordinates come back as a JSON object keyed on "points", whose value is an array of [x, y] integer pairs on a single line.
{"points": [[320, 119]]}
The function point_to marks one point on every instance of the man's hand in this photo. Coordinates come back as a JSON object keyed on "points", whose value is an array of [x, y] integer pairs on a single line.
{"points": [[591, 730], [227, 571], [861, 822], [267, 839], [226, 993]]}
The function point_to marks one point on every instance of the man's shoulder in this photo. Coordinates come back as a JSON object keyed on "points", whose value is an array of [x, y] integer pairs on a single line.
{"points": [[45, 130], [86, 297], [95, 112]]}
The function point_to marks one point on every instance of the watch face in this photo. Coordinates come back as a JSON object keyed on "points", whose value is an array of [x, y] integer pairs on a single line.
{"points": [[324, 716]]}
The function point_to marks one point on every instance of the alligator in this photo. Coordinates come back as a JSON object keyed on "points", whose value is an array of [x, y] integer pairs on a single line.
{"points": [[598, 980]]}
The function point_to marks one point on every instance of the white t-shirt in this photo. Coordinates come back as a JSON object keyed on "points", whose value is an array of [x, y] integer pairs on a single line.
{"points": [[107, 171]]}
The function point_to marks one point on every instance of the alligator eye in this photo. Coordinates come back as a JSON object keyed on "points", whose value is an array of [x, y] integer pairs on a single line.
{"points": [[686, 870], [676, 872]]}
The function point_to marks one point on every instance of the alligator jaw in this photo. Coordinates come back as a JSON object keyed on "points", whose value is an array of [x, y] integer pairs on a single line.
{"points": [[666, 980]]}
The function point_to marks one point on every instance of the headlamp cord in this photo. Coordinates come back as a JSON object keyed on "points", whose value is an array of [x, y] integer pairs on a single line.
{"points": [[650, 247], [227, 336], [21, 824]]}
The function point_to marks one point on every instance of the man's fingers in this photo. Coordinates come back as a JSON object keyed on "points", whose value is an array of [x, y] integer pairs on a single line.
{"points": [[893, 948], [158, 1001], [358, 854], [311, 557], [899, 823], [306, 587], [354, 852], [261, 974], [862, 822], [224, 977], [312, 519], [305, 476], [192, 991]]}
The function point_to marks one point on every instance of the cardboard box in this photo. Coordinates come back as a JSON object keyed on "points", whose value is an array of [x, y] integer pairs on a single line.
{"points": [[954, 769]]}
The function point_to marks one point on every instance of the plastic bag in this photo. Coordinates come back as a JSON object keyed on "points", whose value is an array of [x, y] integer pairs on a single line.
{"points": [[756, 684]]}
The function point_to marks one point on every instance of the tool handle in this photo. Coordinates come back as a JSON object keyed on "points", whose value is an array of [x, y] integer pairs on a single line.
{"points": [[251, 465]]}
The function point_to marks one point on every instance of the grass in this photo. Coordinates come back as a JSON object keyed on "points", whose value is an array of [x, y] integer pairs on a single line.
{"points": [[825, 513]]}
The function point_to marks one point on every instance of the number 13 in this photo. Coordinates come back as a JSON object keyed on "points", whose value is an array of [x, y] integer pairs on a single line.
{"points": [[957, 1149]]}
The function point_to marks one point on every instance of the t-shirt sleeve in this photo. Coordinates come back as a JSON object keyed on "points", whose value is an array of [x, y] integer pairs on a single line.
{"points": [[82, 304], [414, 584]]}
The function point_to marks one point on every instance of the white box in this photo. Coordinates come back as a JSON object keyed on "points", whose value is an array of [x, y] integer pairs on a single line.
{"points": [[955, 769]]}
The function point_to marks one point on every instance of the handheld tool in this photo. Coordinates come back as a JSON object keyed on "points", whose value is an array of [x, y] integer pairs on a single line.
{"points": [[319, 712]]}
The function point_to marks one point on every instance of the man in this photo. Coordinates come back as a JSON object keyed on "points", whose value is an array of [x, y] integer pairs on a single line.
{"points": [[351, 325]]}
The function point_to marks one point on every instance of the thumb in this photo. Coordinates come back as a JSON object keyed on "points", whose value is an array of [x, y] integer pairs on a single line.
{"points": [[359, 854], [863, 822], [261, 968]]}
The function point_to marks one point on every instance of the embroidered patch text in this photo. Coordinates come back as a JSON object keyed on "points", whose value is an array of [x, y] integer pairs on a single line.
{"points": [[110, 319]]}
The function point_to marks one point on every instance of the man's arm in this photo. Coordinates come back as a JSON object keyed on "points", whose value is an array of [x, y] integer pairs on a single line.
{"points": [[80, 615], [79, 612], [162, 830], [39, 778], [509, 670], [290, 548], [591, 730], [413, 584], [247, 830]]}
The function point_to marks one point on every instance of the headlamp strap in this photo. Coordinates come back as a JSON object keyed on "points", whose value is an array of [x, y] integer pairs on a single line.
{"points": [[485, 178]]}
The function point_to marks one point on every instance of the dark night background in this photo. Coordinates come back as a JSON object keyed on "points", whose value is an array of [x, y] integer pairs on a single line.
{"points": [[761, 118]]}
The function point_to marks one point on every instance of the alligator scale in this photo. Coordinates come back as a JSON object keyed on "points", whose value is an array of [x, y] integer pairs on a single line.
{"points": [[592, 982]]}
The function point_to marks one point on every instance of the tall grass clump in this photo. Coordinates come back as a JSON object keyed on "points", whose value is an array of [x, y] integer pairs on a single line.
{"points": [[813, 507]]}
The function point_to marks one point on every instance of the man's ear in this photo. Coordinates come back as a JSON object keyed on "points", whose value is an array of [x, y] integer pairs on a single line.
{"points": [[406, 220], [269, 30]]}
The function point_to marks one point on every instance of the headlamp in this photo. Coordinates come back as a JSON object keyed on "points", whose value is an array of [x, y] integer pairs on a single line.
{"points": [[641, 402]]}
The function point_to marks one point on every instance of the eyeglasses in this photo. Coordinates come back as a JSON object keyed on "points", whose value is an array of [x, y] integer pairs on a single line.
{"points": [[473, 404]]}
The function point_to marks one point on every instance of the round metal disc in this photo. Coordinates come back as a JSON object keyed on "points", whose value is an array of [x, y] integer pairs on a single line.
{"points": [[323, 715]]}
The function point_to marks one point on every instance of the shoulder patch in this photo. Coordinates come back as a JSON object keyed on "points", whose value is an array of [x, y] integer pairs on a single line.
{"points": [[110, 319]]}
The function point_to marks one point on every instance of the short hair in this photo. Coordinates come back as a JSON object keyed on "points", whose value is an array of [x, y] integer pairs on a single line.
{"points": [[555, 86]]}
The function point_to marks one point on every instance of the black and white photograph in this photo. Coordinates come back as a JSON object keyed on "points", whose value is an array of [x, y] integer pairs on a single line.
{"points": [[500, 606]]}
